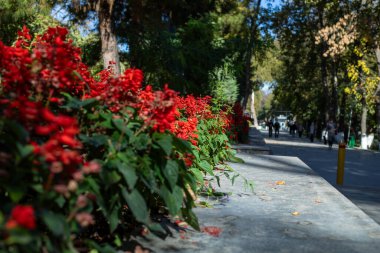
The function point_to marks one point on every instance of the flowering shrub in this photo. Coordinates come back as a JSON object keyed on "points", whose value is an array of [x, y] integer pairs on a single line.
{"points": [[85, 160], [206, 130], [238, 124]]}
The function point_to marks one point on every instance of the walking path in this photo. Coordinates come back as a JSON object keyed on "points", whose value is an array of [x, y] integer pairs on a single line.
{"points": [[292, 209], [362, 168]]}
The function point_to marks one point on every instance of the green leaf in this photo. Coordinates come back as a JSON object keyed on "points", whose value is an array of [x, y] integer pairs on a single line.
{"points": [[107, 117], [196, 154], [117, 241], [55, 222], [128, 173], [198, 175], [19, 236], [16, 193], [182, 145], [121, 126], [60, 201], [234, 177], [173, 200], [235, 159], [165, 141], [190, 218], [206, 167], [156, 229], [136, 204], [126, 169], [24, 151], [17, 130], [94, 141], [93, 185], [76, 104], [216, 159], [114, 218], [218, 180], [110, 177], [141, 141], [38, 188], [171, 173]]}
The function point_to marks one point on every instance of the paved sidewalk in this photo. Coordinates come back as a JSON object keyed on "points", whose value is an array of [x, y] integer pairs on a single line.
{"points": [[256, 144], [292, 209], [362, 169]]}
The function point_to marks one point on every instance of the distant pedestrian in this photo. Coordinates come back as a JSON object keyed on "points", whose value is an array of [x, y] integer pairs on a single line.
{"points": [[270, 127], [300, 129], [330, 132], [311, 132], [276, 129], [292, 128]]}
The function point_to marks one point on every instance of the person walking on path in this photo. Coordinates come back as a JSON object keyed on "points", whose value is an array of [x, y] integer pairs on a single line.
{"points": [[270, 127], [292, 128], [330, 132], [311, 132], [300, 130], [276, 129]]}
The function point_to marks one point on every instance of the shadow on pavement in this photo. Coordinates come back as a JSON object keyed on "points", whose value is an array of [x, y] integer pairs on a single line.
{"points": [[362, 169]]}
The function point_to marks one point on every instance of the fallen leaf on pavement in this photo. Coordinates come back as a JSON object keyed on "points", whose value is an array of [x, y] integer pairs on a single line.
{"points": [[295, 213], [212, 230], [281, 182]]}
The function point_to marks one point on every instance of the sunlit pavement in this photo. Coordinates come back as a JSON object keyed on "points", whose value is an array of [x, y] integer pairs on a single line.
{"points": [[362, 168], [291, 209]]}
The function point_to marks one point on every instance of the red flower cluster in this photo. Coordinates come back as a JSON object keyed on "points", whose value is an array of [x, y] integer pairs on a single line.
{"points": [[53, 66], [238, 122], [15, 69], [192, 109], [188, 159], [24, 38], [186, 129], [59, 130], [22, 216], [195, 107], [157, 108], [117, 92]]}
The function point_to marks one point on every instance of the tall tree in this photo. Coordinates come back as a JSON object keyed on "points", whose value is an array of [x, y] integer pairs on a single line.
{"points": [[106, 11], [253, 10]]}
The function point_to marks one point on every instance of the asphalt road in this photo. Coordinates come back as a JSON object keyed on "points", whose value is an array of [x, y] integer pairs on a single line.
{"points": [[362, 168]]}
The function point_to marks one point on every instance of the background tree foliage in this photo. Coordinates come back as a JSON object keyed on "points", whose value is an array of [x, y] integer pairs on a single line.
{"points": [[16, 13], [230, 48], [331, 57]]}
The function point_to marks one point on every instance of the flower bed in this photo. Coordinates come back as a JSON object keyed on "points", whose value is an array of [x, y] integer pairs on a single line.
{"points": [[87, 161]]}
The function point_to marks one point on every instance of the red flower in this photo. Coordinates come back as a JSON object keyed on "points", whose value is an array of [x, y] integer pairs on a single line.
{"points": [[158, 108], [23, 216]]}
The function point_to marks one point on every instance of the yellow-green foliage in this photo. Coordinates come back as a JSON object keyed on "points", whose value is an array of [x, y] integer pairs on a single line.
{"points": [[364, 81]]}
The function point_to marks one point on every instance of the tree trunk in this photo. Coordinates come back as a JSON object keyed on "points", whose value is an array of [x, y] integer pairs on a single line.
{"points": [[110, 52], [377, 93], [250, 44], [253, 110], [334, 93], [363, 124], [377, 53], [342, 113], [325, 85]]}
